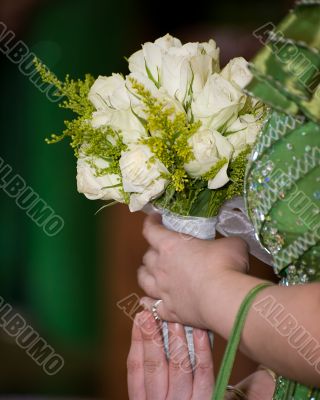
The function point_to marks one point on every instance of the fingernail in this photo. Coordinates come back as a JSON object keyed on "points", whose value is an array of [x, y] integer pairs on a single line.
{"points": [[143, 304], [199, 333]]}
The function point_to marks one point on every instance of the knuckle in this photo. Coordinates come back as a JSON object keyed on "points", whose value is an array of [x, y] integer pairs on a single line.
{"points": [[133, 365], [152, 366], [149, 259], [176, 366], [204, 367], [143, 281], [186, 365], [204, 349], [181, 363]]}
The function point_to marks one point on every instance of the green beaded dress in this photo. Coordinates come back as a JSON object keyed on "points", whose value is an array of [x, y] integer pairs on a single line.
{"points": [[283, 176]]}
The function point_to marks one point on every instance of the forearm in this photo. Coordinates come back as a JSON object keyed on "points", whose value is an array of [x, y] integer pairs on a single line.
{"points": [[278, 318]]}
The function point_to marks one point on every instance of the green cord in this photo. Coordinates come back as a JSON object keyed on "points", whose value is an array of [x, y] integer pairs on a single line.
{"points": [[233, 343]]}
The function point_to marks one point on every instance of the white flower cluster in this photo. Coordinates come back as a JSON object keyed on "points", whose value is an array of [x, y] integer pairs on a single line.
{"points": [[188, 79]]}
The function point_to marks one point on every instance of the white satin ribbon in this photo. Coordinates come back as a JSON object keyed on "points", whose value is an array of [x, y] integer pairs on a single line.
{"points": [[233, 221]]}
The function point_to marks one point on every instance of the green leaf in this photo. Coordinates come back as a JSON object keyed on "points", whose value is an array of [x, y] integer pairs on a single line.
{"points": [[105, 206], [150, 76]]}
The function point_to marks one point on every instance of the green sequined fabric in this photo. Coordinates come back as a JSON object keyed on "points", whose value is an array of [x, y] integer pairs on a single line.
{"points": [[283, 175]]}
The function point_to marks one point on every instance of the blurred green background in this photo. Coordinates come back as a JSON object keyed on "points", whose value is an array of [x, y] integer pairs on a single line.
{"points": [[55, 282]]}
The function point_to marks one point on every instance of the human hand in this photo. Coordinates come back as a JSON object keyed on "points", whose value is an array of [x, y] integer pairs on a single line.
{"points": [[180, 269], [152, 377], [258, 386]]}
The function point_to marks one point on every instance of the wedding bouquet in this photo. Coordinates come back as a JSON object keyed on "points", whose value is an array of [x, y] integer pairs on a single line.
{"points": [[175, 132]]}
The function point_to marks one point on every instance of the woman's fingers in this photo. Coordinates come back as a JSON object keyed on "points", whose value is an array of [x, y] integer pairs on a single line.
{"points": [[180, 370], [147, 282], [150, 377], [154, 232], [203, 374], [150, 259], [154, 359], [135, 365]]}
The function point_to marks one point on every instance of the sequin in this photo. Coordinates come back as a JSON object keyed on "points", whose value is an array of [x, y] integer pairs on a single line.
{"points": [[311, 271], [269, 166], [316, 195], [255, 155], [291, 268]]}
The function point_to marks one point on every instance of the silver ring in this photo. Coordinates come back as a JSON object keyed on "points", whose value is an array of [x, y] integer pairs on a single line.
{"points": [[155, 311]]}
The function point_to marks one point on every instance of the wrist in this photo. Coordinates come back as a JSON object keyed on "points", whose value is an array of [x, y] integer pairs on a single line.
{"points": [[221, 299]]}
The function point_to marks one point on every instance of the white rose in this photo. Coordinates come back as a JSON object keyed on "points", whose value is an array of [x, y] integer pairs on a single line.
{"points": [[211, 49], [167, 41], [142, 174], [145, 81], [139, 200], [209, 147], [130, 127], [147, 61], [193, 62], [204, 64], [110, 92], [218, 104], [169, 64], [176, 72], [237, 72], [138, 113], [97, 187], [171, 103], [243, 132]]}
